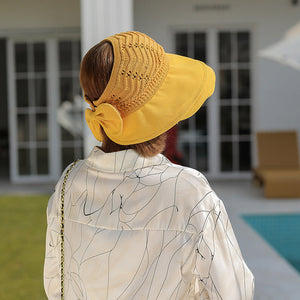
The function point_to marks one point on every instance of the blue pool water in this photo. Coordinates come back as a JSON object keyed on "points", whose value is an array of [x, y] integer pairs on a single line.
{"points": [[282, 232]]}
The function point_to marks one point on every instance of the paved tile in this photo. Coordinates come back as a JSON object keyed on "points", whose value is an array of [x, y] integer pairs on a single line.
{"points": [[7, 188]]}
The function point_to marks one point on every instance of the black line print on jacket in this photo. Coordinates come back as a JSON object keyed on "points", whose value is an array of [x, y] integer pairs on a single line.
{"points": [[153, 231]]}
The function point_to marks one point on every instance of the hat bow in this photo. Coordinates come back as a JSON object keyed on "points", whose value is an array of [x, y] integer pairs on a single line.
{"points": [[108, 117]]}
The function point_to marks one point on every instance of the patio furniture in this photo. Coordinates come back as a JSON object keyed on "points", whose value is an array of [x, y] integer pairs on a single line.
{"points": [[278, 164]]}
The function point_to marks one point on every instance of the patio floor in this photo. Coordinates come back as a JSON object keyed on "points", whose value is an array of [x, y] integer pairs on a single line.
{"points": [[274, 277]]}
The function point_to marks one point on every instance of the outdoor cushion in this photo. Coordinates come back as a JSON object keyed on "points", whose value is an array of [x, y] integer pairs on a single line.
{"points": [[278, 170]]}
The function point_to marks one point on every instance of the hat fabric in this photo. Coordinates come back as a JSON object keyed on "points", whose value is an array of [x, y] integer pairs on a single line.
{"points": [[149, 91]]}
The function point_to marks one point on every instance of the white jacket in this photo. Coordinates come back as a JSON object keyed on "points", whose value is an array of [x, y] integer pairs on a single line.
{"points": [[142, 228]]}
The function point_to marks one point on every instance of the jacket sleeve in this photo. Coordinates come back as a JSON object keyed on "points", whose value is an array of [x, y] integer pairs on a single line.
{"points": [[52, 255], [221, 272]]}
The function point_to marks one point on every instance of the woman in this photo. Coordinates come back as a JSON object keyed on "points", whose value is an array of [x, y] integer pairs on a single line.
{"points": [[137, 226]]}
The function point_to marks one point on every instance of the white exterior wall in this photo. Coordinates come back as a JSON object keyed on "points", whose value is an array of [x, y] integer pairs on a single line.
{"points": [[276, 88], [38, 15]]}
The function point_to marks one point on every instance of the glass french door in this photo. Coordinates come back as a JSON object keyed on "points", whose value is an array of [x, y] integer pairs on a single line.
{"points": [[29, 109], [42, 75], [217, 139]]}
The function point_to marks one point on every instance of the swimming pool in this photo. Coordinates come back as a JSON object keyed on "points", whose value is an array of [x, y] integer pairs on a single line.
{"points": [[282, 232]]}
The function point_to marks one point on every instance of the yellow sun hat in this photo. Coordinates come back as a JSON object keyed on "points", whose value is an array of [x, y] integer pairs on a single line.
{"points": [[149, 91]]}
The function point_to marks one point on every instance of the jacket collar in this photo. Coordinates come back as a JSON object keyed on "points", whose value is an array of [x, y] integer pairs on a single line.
{"points": [[121, 161]]}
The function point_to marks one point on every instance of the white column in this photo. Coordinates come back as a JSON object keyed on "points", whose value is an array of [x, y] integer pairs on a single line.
{"points": [[100, 19], [213, 108], [53, 96]]}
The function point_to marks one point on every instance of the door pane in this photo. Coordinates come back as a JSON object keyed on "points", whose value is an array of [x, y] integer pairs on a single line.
{"points": [[224, 47], [24, 162], [23, 128], [244, 119], [66, 135], [42, 127], [40, 92], [66, 89], [65, 55], [226, 120], [67, 156], [76, 87], [181, 40], [226, 156], [184, 125], [42, 161], [185, 149], [201, 121], [244, 83], [39, 55], [243, 39], [22, 92], [21, 57], [245, 156], [200, 46], [77, 54], [225, 84], [202, 158]]}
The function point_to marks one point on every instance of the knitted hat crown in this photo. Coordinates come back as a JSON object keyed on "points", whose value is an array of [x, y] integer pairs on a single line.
{"points": [[140, 66], [149, 91]]}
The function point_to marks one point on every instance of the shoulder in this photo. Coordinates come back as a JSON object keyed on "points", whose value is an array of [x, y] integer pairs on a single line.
{"points": [[197, 205], [192, 180], [193, 187]]}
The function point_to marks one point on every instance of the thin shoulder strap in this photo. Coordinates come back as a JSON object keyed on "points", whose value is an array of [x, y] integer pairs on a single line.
{"points": [[62, 230]]}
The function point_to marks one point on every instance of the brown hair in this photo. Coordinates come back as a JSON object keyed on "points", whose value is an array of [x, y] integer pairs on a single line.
{"points": [[95, 72]]}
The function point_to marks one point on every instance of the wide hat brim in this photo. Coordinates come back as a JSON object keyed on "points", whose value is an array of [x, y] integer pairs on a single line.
{"points": [[187, 85]]}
